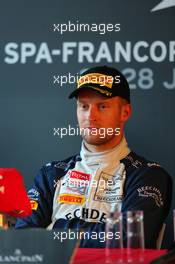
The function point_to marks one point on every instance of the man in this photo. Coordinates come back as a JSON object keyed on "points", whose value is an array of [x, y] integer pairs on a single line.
{"points": [[80, 191]]}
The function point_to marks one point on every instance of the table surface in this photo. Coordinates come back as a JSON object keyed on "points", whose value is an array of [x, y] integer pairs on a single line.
{"points": [[98, 256]]}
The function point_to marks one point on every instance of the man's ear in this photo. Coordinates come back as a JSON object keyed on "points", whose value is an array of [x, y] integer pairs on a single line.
{"points": [[126, 112]]}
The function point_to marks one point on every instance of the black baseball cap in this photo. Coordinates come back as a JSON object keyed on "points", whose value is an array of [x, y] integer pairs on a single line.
{"points": [[105, 80]]}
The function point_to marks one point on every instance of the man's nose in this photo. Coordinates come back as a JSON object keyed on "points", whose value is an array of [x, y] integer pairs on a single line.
{"points": [[92, 113]]}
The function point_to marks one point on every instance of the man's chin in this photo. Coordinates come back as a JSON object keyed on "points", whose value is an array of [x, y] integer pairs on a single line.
{"points": [[94, 140]]}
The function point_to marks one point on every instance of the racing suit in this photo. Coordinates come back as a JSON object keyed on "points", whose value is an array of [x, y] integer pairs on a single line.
{"points": [[80, 191]]}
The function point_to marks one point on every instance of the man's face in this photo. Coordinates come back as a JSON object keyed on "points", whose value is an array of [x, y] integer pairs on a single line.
{"points": [[100, 117]]}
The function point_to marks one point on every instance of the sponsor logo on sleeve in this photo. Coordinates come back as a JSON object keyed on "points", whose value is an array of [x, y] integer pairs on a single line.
{"points": [[33, 194], [34, 205], [151, 192]]}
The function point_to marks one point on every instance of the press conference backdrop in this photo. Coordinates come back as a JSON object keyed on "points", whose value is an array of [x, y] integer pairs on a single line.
{"points": [[43, 48]]}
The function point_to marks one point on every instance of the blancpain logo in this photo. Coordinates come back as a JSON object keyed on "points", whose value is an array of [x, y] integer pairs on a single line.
{"points": [[164, 4], [18, 257]]}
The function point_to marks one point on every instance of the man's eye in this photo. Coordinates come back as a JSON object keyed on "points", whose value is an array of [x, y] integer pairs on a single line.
{"points": [[103, 106], [84, 106]]}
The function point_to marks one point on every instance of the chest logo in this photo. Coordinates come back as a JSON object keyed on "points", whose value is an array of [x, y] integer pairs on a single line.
{"points": [[71, 199], [111, 190]]}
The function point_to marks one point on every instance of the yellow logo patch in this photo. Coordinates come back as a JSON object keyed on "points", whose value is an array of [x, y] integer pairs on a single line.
{"points": [[34, 204], [71, 198], [97, 78]]}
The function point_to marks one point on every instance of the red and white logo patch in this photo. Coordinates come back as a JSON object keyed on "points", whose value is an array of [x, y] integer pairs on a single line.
{"points": [[81, 176]]}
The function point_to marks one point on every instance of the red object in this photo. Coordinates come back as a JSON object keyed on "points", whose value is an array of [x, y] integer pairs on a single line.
{"points": [[97, 256], [13, 196]]}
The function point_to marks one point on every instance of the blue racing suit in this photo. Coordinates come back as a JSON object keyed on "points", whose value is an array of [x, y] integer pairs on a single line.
{"points": [[145, 186]]}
